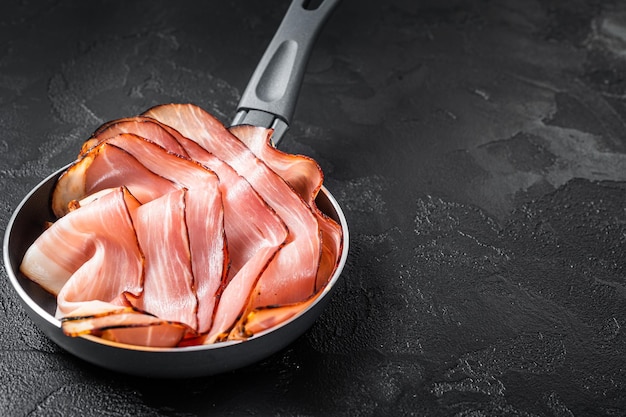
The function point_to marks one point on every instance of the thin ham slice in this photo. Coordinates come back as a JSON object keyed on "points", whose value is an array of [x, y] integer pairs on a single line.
{"points": [[123, 325], [208, 246], [147, 169], [103, 167], [178, 173], [255, 233], [95, 292], [89, 238], [305, 177], [302, 173], [186, 261], [291, 276], [168, 291], [140, 126], [263, 318]]}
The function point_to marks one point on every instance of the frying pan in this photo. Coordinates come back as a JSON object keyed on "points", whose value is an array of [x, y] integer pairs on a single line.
{"points": [[269, 100]]}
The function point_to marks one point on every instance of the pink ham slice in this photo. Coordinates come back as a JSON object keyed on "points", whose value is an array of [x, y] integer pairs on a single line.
{"points": [[123, 325], [204, 218], [305, 177], [302, 173], [178, 172], [185, 259], [291, 276], [255, 233], [89, 237], [168, 291], [93, 298], [184, 268], [101, 169], [145, 168], [140, 126]]}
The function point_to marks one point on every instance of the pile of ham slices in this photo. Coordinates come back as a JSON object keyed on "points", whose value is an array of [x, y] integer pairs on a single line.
{"points": [[173, 230]]}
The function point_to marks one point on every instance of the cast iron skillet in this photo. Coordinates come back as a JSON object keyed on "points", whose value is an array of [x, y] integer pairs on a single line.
{"points": [[268, 101]]}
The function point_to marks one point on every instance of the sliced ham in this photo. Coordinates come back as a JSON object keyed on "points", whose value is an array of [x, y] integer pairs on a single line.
{"points": [[291, 276], [140, 126], [184, 267], [123, 325], [178, 173], [180, 170], [242, 218], [72, 258], [144, 167], [253, 230], [305, 177], [261, 319], [176, 232], [302, 173], [204, 218], [255, 233], [186, 261], [168, 290], [103, 167]]}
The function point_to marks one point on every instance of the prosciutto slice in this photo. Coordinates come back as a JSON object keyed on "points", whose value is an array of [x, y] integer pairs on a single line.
{"points": [[302, 173], [140, 126], [123, 324], [145, 168], [208, 248], [255, 246], [305, 177], [75, 252], [95, 295], [168, 290], [106, 166]]}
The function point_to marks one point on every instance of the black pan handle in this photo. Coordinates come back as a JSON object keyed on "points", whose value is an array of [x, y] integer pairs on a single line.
{"points": [[270, 98]]}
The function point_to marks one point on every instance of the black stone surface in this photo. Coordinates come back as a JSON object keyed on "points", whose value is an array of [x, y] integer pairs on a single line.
{"points": [[478, 149]]}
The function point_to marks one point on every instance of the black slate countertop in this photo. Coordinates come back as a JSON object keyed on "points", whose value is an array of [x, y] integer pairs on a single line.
{"points": [[478, 149]]}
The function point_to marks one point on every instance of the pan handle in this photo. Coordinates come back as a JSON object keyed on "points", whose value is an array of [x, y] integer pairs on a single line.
{"points": [[270, 98]]}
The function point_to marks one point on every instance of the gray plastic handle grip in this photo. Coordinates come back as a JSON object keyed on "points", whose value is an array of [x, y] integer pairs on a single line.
{"points": [[273, 89]]}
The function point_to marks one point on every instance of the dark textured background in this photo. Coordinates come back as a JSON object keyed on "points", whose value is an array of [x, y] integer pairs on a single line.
{"points": [[478, 149]]}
